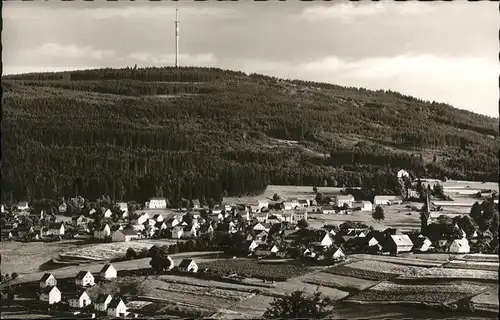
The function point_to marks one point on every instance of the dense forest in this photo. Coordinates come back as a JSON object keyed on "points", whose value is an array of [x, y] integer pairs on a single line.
{"points": [[205, 132]]}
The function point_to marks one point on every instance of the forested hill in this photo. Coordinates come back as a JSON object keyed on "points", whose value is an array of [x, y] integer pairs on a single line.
{"points": [[203, 132]]}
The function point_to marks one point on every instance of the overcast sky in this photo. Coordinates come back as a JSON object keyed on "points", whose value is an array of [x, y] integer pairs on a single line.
{"points": [[447, 52]]}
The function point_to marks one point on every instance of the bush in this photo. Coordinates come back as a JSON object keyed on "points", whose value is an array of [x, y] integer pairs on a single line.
{"points": [[14, 275]]}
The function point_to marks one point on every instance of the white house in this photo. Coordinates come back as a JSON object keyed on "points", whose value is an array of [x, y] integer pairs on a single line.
{"points": [[117, 308], [460, 246], [188, 265], [300, 214], [261, 227], [123, 207], [263, 204], [56, 229], [403, 173], [51, 295], [386, 200], [344, 200], [103, 233], [328, 210], [157, 203], [290, 205], [177, 232], [327, 240], [400, 243], [158, 217], [84, 279], [48, 280], [364, 205], [422, 244], [102, 302], [23, 205], [172, 222], [79, 300], [108, 272], [106, 213], [124, 235], [338, 255], [250, 245], [143, 217]]}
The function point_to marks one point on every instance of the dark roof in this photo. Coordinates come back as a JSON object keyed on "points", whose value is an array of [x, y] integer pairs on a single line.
{"points": [[56, 225], [81, 274], [106, 267], [102, 297], [129, 232], [185, 263], [114, 303], [48, 289], [115, 227], [45, 277]]}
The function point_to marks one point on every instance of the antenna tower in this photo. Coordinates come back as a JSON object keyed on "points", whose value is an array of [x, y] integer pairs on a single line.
{"points": [[176, 39]]}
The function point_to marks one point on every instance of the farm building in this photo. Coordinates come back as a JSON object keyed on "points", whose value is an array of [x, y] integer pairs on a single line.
{"points": [[156, 203], [460, 246], [266, 250], [366, 206], [48, 280], [117, 308], [290, 205], [261, 227], [108, 272], [84, 279], [103, 233], [188, 265], [51, 295], [387, 200], [422, 244], [172, 222], [342, 200], [80, 220], [143, 217], [398, 243], [338, 255], [303, 203], [261, 217], [158, 217], [250, 245], [177, 232], [102, 302], [124, 235], [79, 300]]}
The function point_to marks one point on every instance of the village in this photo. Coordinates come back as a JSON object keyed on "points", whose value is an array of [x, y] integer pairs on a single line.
{"points": [[297, 230]]}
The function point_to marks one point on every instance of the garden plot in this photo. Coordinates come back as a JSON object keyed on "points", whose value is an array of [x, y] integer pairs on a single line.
{"points": [[337, 281], [370, 270], [107, 251], [446, 273], [294, 284], [427, 293], [487, 300], [255, 269], [481, 257], [407, 261], [461, 264]]}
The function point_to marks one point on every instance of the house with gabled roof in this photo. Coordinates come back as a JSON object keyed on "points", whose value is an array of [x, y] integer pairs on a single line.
{"points": [[143, 217], [460, 246], [63, 207], [398, 243], [172, 222], [108, 272], [51, 295], [188, 265], [79, 299], [387, 200], [261, 227], [261, 236], [117, 308], [177, 232], [125, 235], [80, 220], [342, 200], [161, 225], [250, 245], [189, 231], [102, 302], [422, 244], [123, 206], [48, 280], [56, 229], [337, 254], [84, 279], [106, 213], [266, 250], [92, 211], [103, 232]]}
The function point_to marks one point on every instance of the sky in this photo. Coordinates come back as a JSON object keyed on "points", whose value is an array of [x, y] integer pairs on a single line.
{"points": [[445, 52]]}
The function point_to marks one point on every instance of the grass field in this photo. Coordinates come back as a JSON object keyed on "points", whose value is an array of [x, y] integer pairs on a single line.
{"points": [[26, 257], [337, 281], [481, 257], [107, 251], [254, 268], [473, 265], [444, 273], [409, 260], [370, 270], [444, 292]]}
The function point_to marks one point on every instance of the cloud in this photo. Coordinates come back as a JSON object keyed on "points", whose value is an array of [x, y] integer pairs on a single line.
{"points": [[347, 12], [71, 51]]}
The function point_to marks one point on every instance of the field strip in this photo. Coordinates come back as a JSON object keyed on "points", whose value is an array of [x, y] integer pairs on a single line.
{"points": [[399, 260]]}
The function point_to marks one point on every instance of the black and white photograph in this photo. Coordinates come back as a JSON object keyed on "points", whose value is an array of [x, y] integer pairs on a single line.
{"points": [[249, 159]]}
